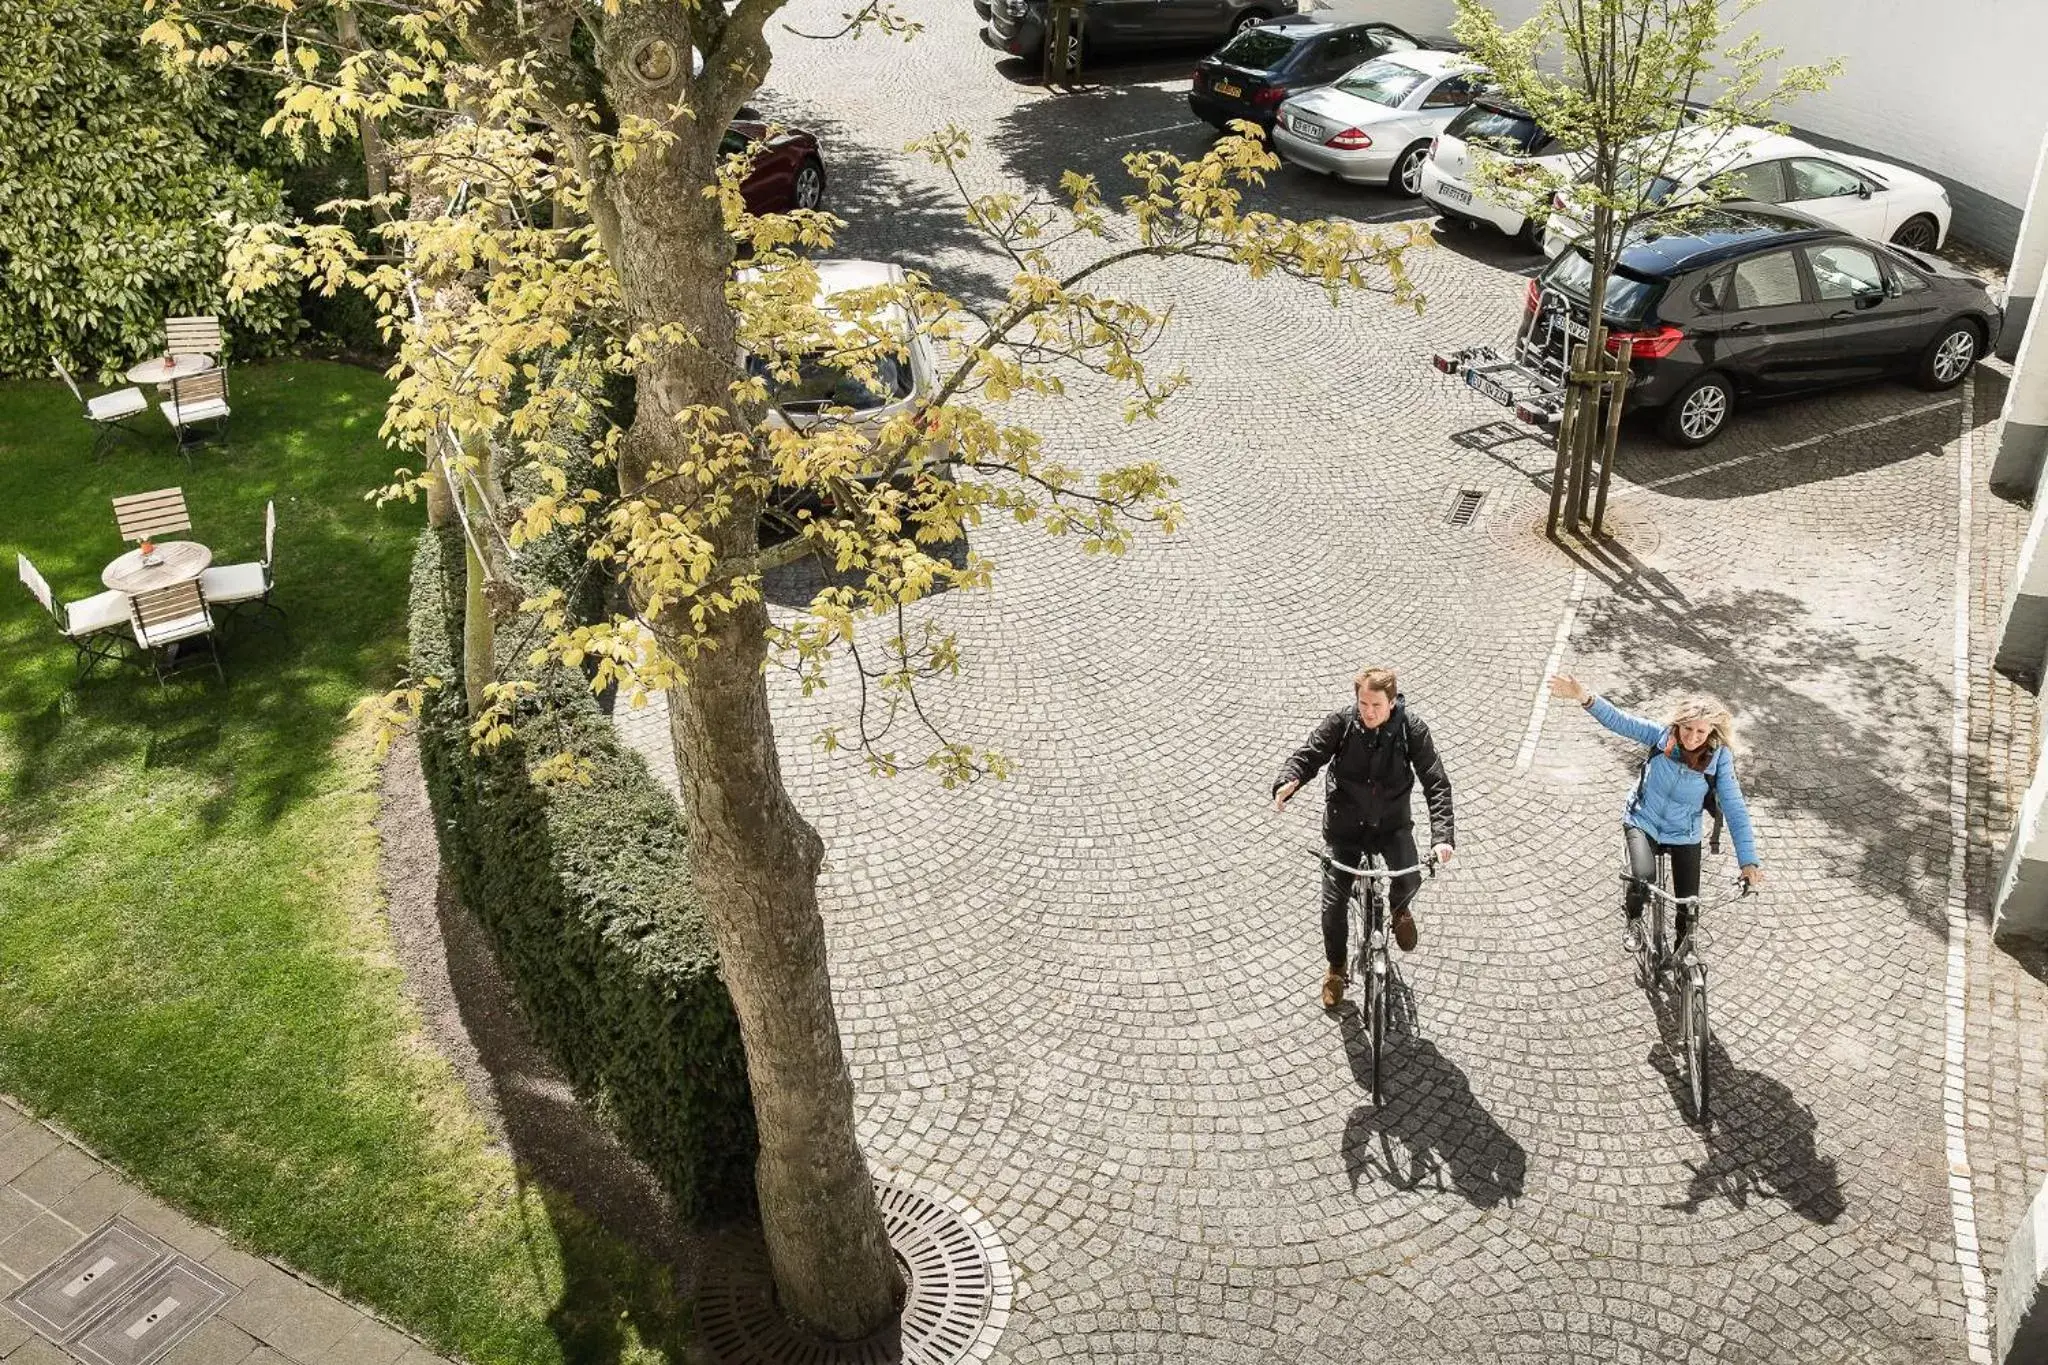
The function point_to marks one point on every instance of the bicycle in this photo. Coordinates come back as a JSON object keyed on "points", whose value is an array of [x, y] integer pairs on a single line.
{"points": [[1659, 967], [1369, 958]]}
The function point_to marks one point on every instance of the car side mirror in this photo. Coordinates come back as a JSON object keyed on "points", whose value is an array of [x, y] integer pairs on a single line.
{"points": [[1863, 190], [1870, 298]]}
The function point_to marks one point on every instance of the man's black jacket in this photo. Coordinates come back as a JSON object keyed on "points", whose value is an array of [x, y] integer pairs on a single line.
{"points": [[1372, 773]]}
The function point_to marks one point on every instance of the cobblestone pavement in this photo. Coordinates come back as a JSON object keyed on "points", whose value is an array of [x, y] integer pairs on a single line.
{"points": [[1084, 998]]}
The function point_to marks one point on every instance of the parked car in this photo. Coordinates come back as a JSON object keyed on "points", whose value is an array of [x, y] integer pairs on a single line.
{"points": [[788, 171], [1257, 70], [1748, 301], [899, 384], [1376, 122], [1489, 126], [1018, 27], [1872, 199]]}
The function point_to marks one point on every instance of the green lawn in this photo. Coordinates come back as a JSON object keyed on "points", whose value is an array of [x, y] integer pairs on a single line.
{"points": [[194, 975]]}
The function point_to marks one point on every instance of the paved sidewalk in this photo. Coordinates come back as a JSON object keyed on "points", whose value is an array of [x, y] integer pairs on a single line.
{"points": [[56, 1192]]}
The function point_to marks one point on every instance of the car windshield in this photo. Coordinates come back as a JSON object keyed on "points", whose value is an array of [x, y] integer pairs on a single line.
{"points": [[1382, 82], [1635, 184], [1628, 298], [819, 384], [1259, 49], [1513, 133]]}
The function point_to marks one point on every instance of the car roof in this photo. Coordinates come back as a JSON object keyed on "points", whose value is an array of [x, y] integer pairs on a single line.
{"points": [[1698, 236], [836, 277], [1430, 61]]}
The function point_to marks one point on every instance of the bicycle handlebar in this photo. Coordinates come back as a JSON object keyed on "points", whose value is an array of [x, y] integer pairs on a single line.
{"points": [[1384, 873], [1663, 895]]}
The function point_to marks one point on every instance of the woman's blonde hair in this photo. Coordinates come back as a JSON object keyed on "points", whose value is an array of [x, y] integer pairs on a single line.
{"points": [[1713, 711]]}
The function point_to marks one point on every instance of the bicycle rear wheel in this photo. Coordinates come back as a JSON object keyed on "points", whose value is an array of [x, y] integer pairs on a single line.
{"points": [[1696, 1038]]}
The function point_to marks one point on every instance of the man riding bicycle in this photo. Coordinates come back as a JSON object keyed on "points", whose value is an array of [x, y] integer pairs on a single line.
{"points": [[1689, 770], [1374, 750]]}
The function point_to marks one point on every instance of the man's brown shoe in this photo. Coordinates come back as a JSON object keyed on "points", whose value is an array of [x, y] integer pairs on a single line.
{"points": [[1404, 930], [1333, 990]]}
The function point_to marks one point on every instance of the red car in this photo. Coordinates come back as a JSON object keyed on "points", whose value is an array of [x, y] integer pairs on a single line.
{"points": [[788, 172]]}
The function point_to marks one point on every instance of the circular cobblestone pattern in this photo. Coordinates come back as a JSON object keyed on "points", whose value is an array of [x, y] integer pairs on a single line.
{"points": [[1084, 999]]}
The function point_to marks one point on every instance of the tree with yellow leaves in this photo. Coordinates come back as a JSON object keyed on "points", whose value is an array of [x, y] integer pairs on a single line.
{"points": [[570, 218]]}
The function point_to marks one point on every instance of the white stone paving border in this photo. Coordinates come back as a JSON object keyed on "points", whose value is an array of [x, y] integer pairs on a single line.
{"points": [[1541, 708], [1961, 1198]]}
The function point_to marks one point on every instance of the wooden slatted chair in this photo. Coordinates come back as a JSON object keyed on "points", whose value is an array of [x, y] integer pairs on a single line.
{"points": [[234, 586], [169, 623], [145, 516], [94, 626], [201, 398], [108, 412], [193, 336]]}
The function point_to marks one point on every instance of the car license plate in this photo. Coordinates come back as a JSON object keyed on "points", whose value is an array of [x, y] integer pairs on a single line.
{"points": [[1574, 329], [1227, 89], [1457, 194], [1303, 128], [1491, 387]]}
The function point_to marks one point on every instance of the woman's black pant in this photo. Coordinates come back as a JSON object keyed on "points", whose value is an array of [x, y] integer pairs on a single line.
{"points": [[1642, 853], [1395, 847]]}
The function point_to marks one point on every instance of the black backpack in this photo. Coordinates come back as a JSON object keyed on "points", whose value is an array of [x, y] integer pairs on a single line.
{"points": [[1713, 801]]}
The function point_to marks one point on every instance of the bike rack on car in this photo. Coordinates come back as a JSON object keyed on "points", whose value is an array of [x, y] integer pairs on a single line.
{"points": [[1534, 393]]}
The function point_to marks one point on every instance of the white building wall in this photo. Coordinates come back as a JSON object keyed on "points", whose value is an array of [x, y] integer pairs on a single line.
{"points": [[1953, 88]]}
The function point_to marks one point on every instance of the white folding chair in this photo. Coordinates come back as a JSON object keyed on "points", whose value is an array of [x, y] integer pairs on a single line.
{"points": [[168, 623], [93, 626], [145, 516], [108, 412], [241, 585], [201, 398]]}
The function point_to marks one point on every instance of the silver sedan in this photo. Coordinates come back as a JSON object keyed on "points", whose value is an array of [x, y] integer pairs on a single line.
{"points": [[1374, 124]]}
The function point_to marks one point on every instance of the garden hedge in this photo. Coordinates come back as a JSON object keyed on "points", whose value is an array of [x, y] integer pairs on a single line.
{"points": [[586, 893]]}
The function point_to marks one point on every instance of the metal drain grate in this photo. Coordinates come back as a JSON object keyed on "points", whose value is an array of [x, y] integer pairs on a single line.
{"points": [[1465, 507], [955, 1305]]}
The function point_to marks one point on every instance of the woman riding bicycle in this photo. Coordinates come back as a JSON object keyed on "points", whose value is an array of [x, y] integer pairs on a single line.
{"points": [[1691, 760]]}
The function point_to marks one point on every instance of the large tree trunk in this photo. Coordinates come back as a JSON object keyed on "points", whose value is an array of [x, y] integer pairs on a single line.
{"points": [[755, 858]]}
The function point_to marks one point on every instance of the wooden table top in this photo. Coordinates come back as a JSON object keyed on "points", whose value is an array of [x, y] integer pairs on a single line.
{"points": [[183, 560]]}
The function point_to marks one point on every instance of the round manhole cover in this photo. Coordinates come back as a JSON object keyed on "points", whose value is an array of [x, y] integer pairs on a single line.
{"points": [[1524, 526], [956, 1296]]}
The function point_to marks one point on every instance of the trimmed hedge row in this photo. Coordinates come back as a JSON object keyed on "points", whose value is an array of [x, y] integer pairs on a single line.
{"points": [[587, 896]]}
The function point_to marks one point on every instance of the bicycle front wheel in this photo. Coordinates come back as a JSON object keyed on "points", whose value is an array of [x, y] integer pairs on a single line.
{"points": [[1376, 1018], [1696, 1039]]}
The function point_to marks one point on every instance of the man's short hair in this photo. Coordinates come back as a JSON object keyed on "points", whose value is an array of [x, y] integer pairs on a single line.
{"points": [[1380, 680]]}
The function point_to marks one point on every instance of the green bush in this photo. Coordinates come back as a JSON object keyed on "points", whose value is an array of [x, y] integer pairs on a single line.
{"points": [[112, 183], [586, 893]]}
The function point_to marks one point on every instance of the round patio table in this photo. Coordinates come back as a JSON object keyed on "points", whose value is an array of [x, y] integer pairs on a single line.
{"points": [[164, 369], [183, 560]]}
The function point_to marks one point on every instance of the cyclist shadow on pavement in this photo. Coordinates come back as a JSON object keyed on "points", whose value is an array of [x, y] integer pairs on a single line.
{"points": [[1431, 1127], [1761, 1142]]}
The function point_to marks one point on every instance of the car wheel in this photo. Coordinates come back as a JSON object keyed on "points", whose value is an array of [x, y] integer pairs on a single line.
{"points": [[1407, 176], [1918, 233], [1949, 356], [809, 191], [1531, 234], [1699, 412], [1251, 18]]}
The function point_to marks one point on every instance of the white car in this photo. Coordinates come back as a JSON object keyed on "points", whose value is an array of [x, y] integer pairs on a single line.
{"points": [[900, 384], [1502, 132], [1873, 199], [1374, 124]]}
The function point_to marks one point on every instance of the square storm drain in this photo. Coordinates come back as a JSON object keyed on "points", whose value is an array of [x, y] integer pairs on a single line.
{"points": [[66, 1295], [146, 1322]]}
